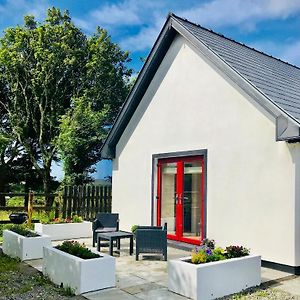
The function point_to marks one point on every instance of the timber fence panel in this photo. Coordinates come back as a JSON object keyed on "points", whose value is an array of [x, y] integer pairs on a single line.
{"points": [[86, 200]]}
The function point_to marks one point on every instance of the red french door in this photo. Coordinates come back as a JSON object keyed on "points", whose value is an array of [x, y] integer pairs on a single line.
{"points": [[180, 197]]}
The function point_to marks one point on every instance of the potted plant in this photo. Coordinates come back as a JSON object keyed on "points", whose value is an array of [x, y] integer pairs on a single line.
{"points": [[212, 272], [23, 243], [62, 229], [134, 229], [73, 265]]}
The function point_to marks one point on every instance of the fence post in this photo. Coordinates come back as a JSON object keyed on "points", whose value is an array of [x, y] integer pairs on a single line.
{"points": [[64, 208], [57, 206], [30, 208]]}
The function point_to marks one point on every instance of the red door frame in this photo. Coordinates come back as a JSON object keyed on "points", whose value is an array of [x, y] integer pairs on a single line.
{"points": [[179, 192]]}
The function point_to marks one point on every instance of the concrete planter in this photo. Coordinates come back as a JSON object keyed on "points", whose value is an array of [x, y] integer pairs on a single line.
{"points": [[65, 231], [22, 247], [215, 279], [81, 275]]}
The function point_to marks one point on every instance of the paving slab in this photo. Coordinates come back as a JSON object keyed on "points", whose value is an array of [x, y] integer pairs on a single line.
{"points": [[159, 294], [271, 274], [291, 285], [141, 288], [129, 280], [35, 263], [109, 294]]}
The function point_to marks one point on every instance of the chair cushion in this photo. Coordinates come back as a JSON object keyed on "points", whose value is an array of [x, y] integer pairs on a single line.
{"points": [[106, 229]]}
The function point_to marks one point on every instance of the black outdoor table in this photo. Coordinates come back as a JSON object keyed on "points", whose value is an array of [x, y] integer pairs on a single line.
{"points": [[115, 236]]}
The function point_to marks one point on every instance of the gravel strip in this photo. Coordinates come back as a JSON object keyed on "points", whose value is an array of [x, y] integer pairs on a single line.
{"points": [[263, 292], [26, 283]]}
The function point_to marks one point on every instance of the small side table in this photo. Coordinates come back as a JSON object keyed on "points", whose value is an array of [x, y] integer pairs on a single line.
{"points": [[115, 236]]}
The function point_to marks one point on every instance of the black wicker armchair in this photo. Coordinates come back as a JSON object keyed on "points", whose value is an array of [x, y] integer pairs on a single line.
{"points": [[105, 222], [151, 239]]}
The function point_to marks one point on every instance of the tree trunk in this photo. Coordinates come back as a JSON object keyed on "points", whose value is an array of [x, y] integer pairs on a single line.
{"points": [[26, 197], [2, 190], [47, 189]]}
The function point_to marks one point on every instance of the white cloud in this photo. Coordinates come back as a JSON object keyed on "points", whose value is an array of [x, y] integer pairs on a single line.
{"points": [[145, 38], [124, 13], [16, 9], [240, 12], [292, 53], [218, 13], [288, 51]]}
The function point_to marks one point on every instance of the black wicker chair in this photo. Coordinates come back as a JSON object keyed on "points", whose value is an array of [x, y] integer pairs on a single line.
{"points": [[151, 239], [105, 222]]}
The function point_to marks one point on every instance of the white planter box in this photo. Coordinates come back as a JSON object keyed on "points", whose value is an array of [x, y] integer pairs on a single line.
{"points": [[81, 275], [65, 231], [215, 279], [22, 247]]}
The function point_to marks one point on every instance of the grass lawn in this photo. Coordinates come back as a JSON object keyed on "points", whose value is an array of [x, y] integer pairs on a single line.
{"points": [[20, 281]]}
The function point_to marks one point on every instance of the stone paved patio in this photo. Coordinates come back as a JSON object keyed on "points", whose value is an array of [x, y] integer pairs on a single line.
{"points": [[147, 278]]}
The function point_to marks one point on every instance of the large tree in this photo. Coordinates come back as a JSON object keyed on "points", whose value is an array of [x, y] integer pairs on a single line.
{"points": [[44, 69], [85, 125]]}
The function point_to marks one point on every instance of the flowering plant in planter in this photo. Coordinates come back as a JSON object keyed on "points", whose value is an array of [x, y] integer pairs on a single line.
{"points": [[74, 219], [89, 270], [21, 230], [77, 249], [20, 242], [65, 229], [233, 269], [207, 252]]}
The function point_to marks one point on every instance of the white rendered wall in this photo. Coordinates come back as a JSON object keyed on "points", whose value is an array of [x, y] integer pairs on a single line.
{"points": [[251, 187]]}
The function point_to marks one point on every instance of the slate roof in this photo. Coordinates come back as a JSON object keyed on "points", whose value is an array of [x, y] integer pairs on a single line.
{"points": [[278, 80], [275, 84]]}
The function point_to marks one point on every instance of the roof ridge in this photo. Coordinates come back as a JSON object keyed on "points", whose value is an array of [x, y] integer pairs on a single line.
{"points": [[232, 40]]}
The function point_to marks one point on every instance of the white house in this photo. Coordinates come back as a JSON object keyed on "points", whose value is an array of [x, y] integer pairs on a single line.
{"points": [[208, 141]]}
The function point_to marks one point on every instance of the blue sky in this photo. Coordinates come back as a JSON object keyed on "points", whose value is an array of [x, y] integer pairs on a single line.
{"points": [[272, 26]]}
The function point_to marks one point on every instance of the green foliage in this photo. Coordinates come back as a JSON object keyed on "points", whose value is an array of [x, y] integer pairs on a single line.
{"points": [[199, 257], [236, 251], [58, 90], [8, 264], [82, 128], [22, 230], [134, 228], [217, 254], [79, 141], [67, 291], [77, 249]]}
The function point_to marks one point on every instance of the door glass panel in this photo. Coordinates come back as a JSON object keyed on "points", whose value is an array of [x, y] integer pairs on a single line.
{"points": [[168, 194], [192, 199]]}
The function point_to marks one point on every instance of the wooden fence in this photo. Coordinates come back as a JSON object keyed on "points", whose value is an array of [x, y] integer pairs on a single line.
{"points": [[84, 201]]}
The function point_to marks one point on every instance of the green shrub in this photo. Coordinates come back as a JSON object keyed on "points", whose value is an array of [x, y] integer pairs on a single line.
{"points": [[199, 257], [77, 249], [236, 251], [217, 254], [22, 230], [76, 219], [134, 228]]}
